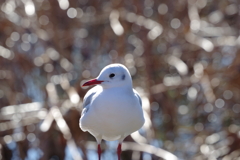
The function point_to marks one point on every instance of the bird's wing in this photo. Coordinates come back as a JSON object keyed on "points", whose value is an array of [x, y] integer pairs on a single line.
{"points": [[137, 95], [88, 97]]}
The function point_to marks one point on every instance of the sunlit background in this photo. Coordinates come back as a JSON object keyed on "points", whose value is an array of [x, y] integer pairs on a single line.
{"points": [[183, 55]]}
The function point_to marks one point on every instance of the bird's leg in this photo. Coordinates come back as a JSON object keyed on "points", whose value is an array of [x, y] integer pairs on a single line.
{"points": [[99, 152], [119, 150]]}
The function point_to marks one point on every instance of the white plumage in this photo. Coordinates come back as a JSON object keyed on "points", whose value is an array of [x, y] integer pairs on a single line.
{"points": [[112, 109]]}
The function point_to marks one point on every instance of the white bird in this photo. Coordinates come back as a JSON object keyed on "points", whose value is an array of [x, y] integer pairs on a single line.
{"points": [[112, 110]]}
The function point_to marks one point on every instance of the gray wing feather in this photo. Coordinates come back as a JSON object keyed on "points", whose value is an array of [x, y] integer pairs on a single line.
{"points": [[88, 98], [86, 103], [139, 98]]}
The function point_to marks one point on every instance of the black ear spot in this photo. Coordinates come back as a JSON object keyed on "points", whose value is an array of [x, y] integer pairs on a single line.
{"points": [[123, 77], [111, 75]]}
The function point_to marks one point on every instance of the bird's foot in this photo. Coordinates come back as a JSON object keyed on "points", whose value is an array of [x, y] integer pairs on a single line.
{"points": [[119, 150], [99, 152]]}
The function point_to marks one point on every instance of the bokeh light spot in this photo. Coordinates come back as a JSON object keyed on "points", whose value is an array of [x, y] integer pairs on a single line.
{"points": [[82, 33], [216, 17], [192, 93], [154, 106], [148, 11], [10, 43], [212, 117], [231, 9], [236, 108], [219, 103], [208, 107], [64, 4], [48, 67], [31, 137], [72, 12], [43, 20], [86, 74], [227, 94], [198, 127], [183, 109], [175, 23], [15, 36], [162, 9], [29, 8], [215, 82], [38, 61], [7, 139], [25, 46], [53, 54], [113, 54]]}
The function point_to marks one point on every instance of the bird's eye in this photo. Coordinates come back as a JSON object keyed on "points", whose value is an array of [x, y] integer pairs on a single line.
{"points": [[111, 75]]}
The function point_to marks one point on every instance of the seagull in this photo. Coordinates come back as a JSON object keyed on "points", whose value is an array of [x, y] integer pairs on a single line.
{"points": [[112, 110]]}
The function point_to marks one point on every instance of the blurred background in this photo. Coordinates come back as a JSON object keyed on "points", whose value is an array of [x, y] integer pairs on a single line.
{"points": [[183, 55]]}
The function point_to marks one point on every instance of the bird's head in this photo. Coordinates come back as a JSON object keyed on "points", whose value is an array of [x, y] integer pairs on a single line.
{"points": [[113, 75]]}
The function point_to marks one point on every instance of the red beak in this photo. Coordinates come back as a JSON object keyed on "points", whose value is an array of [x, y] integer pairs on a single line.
{"points": [[92, 82]]}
